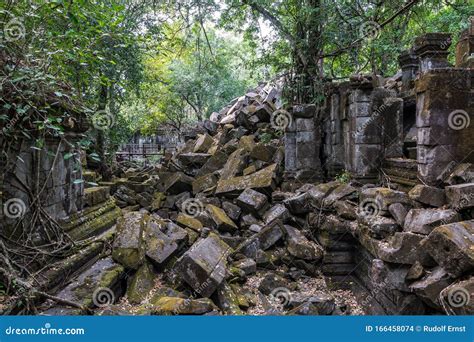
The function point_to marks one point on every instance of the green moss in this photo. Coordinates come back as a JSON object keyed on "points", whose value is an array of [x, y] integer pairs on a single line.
{"points": [[190, 222], [96, 225], [128, 257], [140, 284]]}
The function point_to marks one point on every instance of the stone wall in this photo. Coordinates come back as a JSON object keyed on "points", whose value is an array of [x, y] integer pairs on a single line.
{"points": [[421, 114], [44, 171]]}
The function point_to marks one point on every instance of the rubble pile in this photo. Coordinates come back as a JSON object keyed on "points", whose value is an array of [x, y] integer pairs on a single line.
{"points": [[211, 231]]}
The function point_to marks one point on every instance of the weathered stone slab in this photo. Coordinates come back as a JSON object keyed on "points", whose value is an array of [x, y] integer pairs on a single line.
{"points": [[385, 196], [277, 212], [129, 245], [204, 265], [248, 220], [401, 248], [389, 276], [269, 235], [452, 247], [338, 193], [318, 304], [300, 247], [321, 191], [247, 142], [227, 301], [203, 143], [299, 204], [189, 221], [345, 210], [220, 218], [272, 281], [214, 163], [96, 195], [263, 240], [381, 227], [264, 152], [193, 159], [234, 165], [98, 286], [415, 272], [160, 247], [203, 183], [252, 201], [140, 284], [261, 181], [249, 266], [460, 196], [399, 213], [428, 195], [181, 306], [232, 210], [429, 287], [423, 221], [177, 183]]}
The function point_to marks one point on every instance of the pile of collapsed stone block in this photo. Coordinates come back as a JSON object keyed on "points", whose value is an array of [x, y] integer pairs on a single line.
{"points": [[214, 218], [222, 192], [218, 216]]}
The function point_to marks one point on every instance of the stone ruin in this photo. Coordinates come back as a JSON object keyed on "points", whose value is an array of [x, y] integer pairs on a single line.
{"points": [[361, 205]]}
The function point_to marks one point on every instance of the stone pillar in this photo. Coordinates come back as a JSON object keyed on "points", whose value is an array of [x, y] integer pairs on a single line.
{"points": [[335, 148], [376, 129], [302, 144], [363, 141], [409, 64], [432, 50], [444, 113], [465, 48], [290, 150]]}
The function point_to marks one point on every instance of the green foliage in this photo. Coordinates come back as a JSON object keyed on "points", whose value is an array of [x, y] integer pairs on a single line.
{"points": [[62, 55], [191, 75], [266, 137], [344, 177], [151, 63]]}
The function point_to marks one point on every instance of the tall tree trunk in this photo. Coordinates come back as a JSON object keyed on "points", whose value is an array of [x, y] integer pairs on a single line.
{"points": [[104, 170]]}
